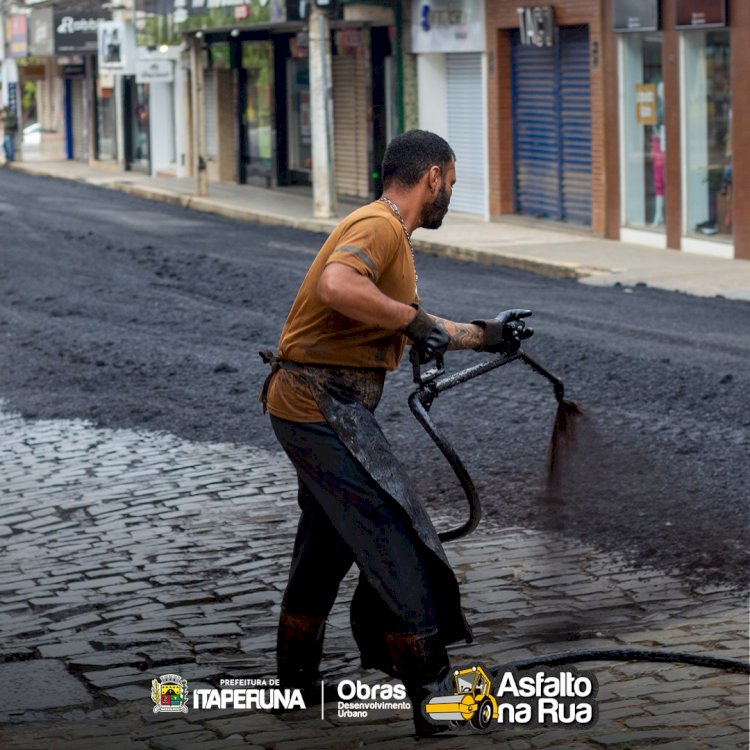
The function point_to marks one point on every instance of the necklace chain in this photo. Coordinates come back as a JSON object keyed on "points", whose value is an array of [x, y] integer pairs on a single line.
{"points": [[397, 213]]}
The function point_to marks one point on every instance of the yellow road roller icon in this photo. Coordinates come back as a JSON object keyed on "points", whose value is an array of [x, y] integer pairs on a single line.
{"points": [[472, 701]]}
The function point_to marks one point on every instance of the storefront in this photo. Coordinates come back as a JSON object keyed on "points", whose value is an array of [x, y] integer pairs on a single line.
{"points": [[677, 123], [75, 45], [449, 41], [361, 80], [352, 98], [159, 100], [624, 116], [706, 96], [547, 131], [257, 107], [643, 141], [48, 89], [552, 125]]}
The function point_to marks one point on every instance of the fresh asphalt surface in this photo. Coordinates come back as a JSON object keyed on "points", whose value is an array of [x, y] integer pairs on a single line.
{"points": [[136, 314]]}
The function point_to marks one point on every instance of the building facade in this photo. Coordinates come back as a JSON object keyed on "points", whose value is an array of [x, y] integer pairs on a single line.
{"points": [[448, 39], [257, 105], [624, 116], [627, 118]]}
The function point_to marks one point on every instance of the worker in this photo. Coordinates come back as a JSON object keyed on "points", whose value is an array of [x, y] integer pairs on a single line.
{"points": [[357, 308]]}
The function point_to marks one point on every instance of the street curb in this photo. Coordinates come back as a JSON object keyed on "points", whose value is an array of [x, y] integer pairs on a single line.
{"points": [[561, 270], [549, 269], [539, 267]]}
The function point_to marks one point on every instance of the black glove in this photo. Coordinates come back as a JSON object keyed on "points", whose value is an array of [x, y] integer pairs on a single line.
{"points": [[428, 337], [503, 334]]}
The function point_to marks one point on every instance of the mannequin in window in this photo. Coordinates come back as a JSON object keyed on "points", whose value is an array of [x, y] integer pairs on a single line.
{"points": [[658, 157]]}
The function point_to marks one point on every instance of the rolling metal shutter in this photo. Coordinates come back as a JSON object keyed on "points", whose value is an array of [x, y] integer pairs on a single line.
{"points": [[575, 125], [351, 147], [552, 127], [466, 131]]}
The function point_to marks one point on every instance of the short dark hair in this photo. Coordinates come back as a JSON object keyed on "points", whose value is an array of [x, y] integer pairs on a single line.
{"points": [[411, 154]]}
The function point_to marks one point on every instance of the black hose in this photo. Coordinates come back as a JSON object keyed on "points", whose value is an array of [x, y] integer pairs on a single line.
{"points": [[420, 402], [625, 654], [417, 406]]}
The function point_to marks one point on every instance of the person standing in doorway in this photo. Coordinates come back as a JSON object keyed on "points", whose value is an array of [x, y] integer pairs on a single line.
{"points": [[10, 131]]}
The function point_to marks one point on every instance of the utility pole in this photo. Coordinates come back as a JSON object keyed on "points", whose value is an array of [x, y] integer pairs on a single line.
{"points": [[199, 113], [321, 114]]}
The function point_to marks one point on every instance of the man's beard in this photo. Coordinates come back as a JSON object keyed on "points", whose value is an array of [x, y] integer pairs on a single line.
{"points": [[433, 213]]}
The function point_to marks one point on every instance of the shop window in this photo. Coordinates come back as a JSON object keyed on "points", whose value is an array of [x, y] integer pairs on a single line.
{"points": [[643, 140], [257, 59], [707, 129]]}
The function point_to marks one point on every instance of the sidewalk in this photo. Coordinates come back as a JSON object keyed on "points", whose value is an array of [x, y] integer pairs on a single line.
{"points": [[568, 254], [128, 555]]}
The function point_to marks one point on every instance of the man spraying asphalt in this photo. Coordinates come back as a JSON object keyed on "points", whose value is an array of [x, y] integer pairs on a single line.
{"points": [[356, 310]]}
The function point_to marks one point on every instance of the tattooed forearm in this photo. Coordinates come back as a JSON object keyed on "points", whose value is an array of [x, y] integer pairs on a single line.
{"points": [[463, 335]]}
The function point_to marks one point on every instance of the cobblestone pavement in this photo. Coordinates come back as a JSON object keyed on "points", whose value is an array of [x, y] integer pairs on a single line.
{"points": [[127, 555]]}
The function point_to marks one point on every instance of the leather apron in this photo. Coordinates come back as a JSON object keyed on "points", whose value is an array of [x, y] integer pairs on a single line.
{"points": [[347, 397]]}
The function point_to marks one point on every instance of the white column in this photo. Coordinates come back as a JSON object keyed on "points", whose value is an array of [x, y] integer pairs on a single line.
{"points": [[321, 115], [199, 114], [161, 124]]}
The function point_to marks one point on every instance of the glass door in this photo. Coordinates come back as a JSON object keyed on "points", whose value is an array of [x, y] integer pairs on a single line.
{"points": [[707, 122], [643, 139]]}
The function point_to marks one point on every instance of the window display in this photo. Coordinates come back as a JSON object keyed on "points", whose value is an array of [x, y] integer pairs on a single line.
{"points": [[707, 142], [643, 133]]}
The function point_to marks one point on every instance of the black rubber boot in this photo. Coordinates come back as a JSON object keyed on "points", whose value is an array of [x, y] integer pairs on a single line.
{"points": [[421, 663], [299, 649]]}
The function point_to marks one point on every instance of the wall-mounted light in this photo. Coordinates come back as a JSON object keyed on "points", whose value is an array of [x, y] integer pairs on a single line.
{"points": [[164, 48]]}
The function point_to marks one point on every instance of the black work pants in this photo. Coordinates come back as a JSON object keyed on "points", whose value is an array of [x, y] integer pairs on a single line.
{"points": [[347, 518]]}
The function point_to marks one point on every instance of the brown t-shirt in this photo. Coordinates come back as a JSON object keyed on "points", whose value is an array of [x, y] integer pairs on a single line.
{"points": [[371, 241]]}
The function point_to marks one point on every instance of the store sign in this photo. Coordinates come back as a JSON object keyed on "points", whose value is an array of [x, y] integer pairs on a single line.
{"points": [[536, 26], [447, 26], [635, 15], [701, 14], [11, 97], [157, 70], [116, 47], [16, 36], [77, 31], [42, 32], [645, 104]]}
